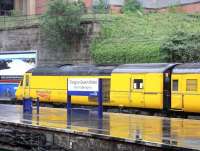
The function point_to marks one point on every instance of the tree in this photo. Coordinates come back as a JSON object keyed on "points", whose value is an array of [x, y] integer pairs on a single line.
{"points": [[181, 47], [131, 6], [61, 24], [100, 6]]}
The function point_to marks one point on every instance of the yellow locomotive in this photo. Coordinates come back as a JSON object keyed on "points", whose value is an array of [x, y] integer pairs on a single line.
{"points": [[157, 86]]}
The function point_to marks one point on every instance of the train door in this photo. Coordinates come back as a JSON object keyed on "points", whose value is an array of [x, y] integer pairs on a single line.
{"points": [[167, 90], [27, 86], [137, 90], [120, 92], [191, 93], [177, 94]]}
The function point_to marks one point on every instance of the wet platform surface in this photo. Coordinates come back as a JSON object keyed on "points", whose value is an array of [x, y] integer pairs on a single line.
{"points": [[159, 130]]}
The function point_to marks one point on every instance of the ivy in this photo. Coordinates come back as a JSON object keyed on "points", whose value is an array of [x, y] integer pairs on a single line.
{"points": [[131, 6], [61, 24], [137, 38], [181, 47]]}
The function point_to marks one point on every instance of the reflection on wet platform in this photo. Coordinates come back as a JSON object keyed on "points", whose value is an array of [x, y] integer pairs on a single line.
{"points": [[168, 131]]}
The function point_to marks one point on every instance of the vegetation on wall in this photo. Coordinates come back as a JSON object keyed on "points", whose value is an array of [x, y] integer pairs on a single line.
{"points": [[182, 47], [131, 6], [61, 24], [132, 37], [137, 38], [100, 7]]}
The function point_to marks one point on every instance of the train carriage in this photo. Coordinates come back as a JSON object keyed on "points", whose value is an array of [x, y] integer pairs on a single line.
{"points": [[142, 85], [8, 86], [186, 88], [8, 81]]}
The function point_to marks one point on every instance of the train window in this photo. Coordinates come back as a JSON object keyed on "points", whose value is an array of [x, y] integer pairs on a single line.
{"points": [[191, 85], [138, 84], [106, 89], [106, 92], [92, 98], [27, 80], [175, 85]]}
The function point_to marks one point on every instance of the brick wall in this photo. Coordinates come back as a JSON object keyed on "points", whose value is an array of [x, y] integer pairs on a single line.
{"points": [[41, 6], [189, 8], [192, 8], [88, 4], [115, 9]]}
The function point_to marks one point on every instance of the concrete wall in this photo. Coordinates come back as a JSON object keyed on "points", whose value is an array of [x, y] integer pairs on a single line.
{"points": [[30, 39], [23, 6], [31, 7], [26, 7]]}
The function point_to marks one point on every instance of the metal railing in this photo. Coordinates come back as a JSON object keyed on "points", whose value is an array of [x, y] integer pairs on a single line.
{"points": [[8, 19]]}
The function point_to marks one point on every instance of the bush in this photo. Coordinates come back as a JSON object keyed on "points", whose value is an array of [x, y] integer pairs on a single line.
{"points": [[100, 7], [131, 6], [135, 38], [181, 47], [61, 24], [127, 53]]}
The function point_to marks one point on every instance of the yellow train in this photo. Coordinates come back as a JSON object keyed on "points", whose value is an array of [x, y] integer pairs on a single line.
{"points": [[157, 86]]}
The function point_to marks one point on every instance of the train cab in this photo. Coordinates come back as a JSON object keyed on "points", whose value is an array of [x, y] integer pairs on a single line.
{"points": [[186, 88], [49, 84]]}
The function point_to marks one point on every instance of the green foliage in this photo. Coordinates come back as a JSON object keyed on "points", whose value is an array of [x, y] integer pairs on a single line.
{"points": [[131, 6], [100, 7], [134, 38], [61, 24], [124, 52], [181, 47], [174, 7]]}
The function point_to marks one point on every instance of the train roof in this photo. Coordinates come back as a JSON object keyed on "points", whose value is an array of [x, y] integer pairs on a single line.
{"points": [[143, 68], [46, 71], [73, 70], [3, 65], [187, 68]]}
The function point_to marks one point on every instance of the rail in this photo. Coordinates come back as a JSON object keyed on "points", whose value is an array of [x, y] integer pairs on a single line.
{"points": [[8, 19]]}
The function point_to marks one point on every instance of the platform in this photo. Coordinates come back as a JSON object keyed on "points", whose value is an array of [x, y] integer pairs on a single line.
{"points": [[158, 132]]}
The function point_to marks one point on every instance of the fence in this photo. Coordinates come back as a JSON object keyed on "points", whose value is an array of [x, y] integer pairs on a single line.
{"points": [[8, 19]]}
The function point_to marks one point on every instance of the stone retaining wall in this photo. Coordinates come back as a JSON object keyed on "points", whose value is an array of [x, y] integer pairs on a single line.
{"points": [[29, 38], [26, 137]]}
